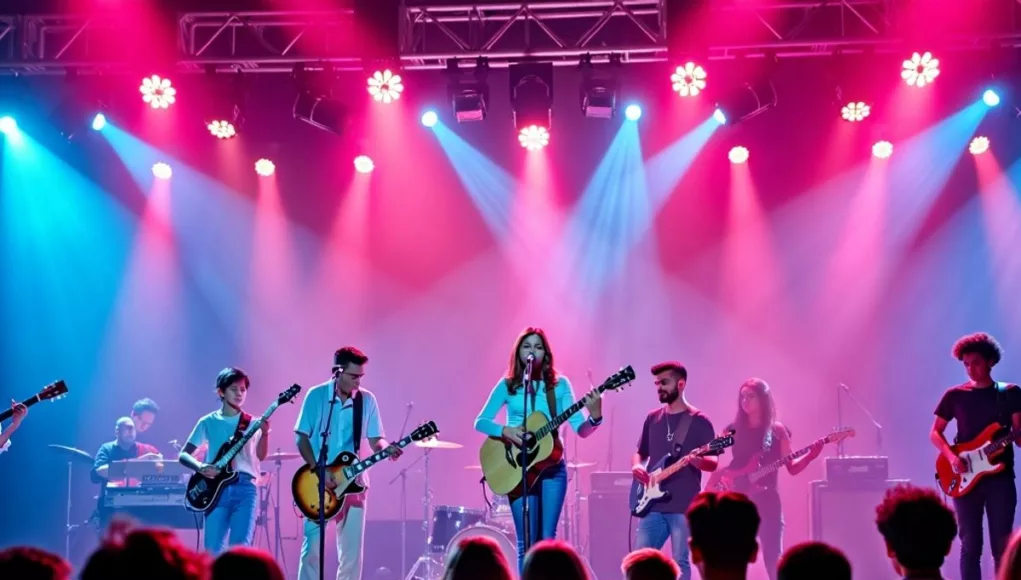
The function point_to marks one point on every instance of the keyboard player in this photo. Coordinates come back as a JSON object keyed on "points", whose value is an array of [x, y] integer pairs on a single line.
{"points": [[123, 447]]}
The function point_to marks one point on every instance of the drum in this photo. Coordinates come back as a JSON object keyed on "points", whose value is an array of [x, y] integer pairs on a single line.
{"points": [[503, 538], [500, 512], [448, 521]]}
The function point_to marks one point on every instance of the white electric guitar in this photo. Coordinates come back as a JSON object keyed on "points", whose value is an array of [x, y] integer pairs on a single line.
{"points": [[643, 496]]}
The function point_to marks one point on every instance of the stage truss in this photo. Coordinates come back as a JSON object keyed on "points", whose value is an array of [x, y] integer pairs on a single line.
{"points": [[432, 33]]}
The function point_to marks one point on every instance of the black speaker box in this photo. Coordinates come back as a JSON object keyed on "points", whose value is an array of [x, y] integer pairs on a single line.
{"points": [[608, 543]]}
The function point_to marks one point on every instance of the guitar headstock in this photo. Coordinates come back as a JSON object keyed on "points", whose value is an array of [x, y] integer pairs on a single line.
{"points": [[424, 431], [53, 391], [718, 444], [289, 394], [618, 380], [839, 435]]}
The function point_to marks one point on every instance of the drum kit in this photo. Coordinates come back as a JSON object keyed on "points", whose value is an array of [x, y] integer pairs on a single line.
{"points": [[451, 524]]}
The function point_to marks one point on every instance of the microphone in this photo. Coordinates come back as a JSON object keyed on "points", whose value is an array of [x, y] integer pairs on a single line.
{"points": [[530, 359], [411, 404]]}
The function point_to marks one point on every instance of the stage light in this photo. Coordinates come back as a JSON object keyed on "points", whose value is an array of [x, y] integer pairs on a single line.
{"points": [[633, 112], [161, 170], [882, 149], [385, 86], [855, 112], [364, 164], [599, 90], [158, 92], [920, 69], [991, 98], [534, 138], [322, 113], [265, 167], [8, 126], [688, 80], [73, 115], [98, 122], [738, 155], [978, 145], [468, 92], [222, 129], [430, 118], [531, 89], [750, 100]]}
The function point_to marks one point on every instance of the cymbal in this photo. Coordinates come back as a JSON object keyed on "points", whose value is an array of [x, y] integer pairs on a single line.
{"points": [[73, 453], [437, 444], [280, 456], [473, 467]]}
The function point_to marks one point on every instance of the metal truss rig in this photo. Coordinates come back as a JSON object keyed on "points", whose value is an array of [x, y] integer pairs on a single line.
{"points": [[432, 33]]}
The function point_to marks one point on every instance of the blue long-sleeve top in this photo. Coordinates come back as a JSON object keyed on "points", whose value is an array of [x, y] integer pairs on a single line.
{"points": [[486, 423]]}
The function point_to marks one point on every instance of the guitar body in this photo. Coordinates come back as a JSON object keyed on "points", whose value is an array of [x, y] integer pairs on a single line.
{"points": [[644, 496], [736, 479], [979, 464], [501, 461], [305, 488], [203, 493]]}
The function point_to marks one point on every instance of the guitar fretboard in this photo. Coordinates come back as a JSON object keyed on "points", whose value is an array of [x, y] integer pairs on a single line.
{"points": [[224, 461], [559, 420], [767, 469], [1002, 442], [354, 470], [7, 414]]}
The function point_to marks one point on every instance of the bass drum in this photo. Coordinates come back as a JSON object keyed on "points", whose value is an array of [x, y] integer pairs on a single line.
{"points": [[503, 538]]}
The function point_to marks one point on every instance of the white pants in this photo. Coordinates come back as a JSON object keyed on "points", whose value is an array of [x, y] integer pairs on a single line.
{"points": [[350, 524]]}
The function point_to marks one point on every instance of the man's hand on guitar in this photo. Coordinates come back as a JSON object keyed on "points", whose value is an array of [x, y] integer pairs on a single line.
{"points": [[959, 464], [641, 475], [19, 414], [514, 434], [395, 452], [331, 482], [209, 471]]}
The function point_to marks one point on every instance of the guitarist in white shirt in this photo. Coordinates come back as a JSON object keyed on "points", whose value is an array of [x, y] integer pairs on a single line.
{"points": [[235, 511], [677, 428]]}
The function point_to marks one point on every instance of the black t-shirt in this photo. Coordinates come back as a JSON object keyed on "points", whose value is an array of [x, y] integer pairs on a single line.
{"points": [[749, 441], [653, 444], [974, 409]]}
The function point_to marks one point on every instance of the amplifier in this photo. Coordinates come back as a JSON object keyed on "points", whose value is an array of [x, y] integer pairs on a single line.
{"points": [[853, 470], [611, 482]]}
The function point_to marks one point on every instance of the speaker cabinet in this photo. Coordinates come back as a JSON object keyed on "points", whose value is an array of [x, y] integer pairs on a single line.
{"points": [[844, 516], [609, 518]]}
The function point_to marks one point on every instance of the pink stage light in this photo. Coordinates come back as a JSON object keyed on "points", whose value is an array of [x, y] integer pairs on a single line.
{"points": [[920, 69], [385, 86], [855, 112], [738, 155], [161, 170], [534, 137], [364, 164], [222, 129], [979, 145], [265, 167], [158, 92], [882, 149], [689, 80]]}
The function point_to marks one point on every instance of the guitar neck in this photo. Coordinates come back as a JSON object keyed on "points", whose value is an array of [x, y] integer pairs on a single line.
{"points": [[560, 419], [675, 467], [231, 453], [352, 471], [7, 414], [776, 465], [1004, 441]]}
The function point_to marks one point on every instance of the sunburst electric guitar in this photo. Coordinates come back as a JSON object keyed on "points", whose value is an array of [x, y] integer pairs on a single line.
{"points": [[502, 461], [980, 457], [745, 479], [644, 496], [345, 470]]}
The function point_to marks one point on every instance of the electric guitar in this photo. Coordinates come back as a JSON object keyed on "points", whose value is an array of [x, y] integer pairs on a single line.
{"points": [[643, 496], [202, 493], [502, 461], [50, 392], [745, 479], [979, 455], [305, 485]]}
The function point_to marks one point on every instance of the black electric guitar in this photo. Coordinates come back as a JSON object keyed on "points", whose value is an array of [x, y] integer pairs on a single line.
{"points": [[203, 493], [50, 392]]}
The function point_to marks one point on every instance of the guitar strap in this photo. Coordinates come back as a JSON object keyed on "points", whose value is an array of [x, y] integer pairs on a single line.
{"points": [[243, 422], [357, 425], [551, 402], [683, 426]]}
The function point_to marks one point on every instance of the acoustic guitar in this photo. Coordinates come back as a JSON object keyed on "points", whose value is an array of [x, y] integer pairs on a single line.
{"points": [[980, 456], [50, 392], [345, 470], [502, 461]]}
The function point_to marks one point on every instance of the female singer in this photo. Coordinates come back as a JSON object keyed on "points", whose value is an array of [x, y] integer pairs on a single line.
{"points": [[758, 431], [546, 495]]}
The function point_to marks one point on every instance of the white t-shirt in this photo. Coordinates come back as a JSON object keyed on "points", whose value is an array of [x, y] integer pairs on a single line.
{"points": [[7, 444], [215, 429]]}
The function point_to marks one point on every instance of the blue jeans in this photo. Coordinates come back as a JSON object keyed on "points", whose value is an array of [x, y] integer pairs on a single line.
{"points": [[234, 513], [544, 505], [656, 527]]}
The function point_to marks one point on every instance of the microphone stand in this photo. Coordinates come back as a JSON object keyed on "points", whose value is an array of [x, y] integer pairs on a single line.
{"points": [[526, 520], [321, 473], [404, 499], [864, 409]]}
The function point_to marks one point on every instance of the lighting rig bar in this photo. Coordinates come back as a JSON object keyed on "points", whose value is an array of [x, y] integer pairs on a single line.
{"points": [[431, 33]]}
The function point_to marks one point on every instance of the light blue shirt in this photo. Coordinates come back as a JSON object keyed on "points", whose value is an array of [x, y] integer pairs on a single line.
{"points": [[315, 409], [500, 397]]}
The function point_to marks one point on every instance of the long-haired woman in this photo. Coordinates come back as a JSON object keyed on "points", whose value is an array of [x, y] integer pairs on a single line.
{"points": [[546, 495], [759, 435]]}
